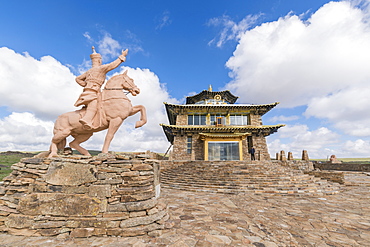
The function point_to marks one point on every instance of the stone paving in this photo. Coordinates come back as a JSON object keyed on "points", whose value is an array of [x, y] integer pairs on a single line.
{"points": [[210, 219]]}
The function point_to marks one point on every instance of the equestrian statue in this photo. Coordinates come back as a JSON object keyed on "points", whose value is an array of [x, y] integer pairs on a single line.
{"points": [[101, 110]]}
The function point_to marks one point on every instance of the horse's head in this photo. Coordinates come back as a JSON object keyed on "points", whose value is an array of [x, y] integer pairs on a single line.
{"points": [[123, 82], [129, 85]]}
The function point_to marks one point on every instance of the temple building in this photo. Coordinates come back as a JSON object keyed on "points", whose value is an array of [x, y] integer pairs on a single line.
{"points": [[210, 126]]}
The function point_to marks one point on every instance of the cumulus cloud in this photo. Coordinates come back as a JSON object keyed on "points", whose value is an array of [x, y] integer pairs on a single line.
{"points": [[291, 60], [23, 131], [295, 138], [320, 62], [346, 109], [44, 87], [358, 147]]}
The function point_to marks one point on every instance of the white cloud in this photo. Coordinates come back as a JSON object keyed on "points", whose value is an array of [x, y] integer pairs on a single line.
{"points": [[109, 47], [231, 30], [321, 63], [346, 109], [292, 61], [284, 118], [23, 131], [164, 20], [295, 138], [360, 148], [44, 87]]}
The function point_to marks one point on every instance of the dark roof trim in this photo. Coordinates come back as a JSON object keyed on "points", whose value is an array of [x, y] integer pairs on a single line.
{"points": [[205, 94], [172, 130]]}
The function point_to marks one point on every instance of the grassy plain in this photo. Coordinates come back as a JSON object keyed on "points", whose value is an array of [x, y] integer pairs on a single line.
{"points": [[9, 158]]}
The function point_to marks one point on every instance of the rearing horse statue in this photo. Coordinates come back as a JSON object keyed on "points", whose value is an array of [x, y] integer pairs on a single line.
{"points": [[115, 107]]}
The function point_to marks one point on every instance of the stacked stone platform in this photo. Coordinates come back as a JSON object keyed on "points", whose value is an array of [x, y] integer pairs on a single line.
{"points": [[78, 196], [241, 176]]}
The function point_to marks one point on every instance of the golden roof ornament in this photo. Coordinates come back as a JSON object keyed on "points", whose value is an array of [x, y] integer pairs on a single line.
{"points": [[210, 88]]}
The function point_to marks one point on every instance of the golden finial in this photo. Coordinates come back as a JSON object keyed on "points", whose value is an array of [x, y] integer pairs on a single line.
{"points": [[210, 88]]}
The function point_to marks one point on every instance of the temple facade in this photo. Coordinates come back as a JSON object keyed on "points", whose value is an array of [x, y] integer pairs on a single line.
{"points": [[210, 126]]}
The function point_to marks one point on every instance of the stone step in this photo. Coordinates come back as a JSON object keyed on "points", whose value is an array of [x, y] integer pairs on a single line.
{"points": [[286, 186], [244, 181], [254, 190], [240, 177], [190, 177]]}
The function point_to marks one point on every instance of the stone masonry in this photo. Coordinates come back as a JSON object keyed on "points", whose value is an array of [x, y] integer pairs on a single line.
{"points": [[79, 196]]}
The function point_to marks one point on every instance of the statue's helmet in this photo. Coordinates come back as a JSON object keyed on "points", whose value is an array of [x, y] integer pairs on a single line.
{"points": [[95, 56]]}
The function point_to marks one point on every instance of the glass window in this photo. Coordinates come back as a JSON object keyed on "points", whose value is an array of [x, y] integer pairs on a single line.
{"points": [[189, 144], [236, 119], [213, 119], [223, 151], [196, 119]]}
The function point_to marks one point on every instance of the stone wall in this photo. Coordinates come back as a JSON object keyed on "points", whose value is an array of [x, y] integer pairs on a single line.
{"points": [[334, 176], [81, 197], [260, 145], [255, 120], [182, 120], [301, 165], [343, 166], [179, 151]]}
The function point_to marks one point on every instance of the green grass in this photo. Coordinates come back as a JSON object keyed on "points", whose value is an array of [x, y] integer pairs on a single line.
{"points": [[355, 160], [9, 158]]}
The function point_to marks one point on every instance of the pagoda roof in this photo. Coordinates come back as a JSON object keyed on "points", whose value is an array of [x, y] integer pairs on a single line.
{"points": [[172, 130], [206, 94], [173, 110]]}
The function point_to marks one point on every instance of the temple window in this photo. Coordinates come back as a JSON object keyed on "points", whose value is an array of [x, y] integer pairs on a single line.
{"points": [[217, 119], [189, 144], [197, 119], [238, 119]]}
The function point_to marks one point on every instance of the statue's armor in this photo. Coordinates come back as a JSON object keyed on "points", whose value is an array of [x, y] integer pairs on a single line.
{"points": [[95, 78]]}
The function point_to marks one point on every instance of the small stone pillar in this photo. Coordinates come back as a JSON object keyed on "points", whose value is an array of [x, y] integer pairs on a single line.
{"points": [[305, 155], [282, 155], [290, 156], [277, 156]]}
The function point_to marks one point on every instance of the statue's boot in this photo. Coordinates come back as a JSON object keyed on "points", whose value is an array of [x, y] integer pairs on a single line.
{"points": [[86, 121]]}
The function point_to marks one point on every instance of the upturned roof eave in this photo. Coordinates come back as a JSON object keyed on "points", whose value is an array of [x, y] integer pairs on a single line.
{"points": [[175, 109]]}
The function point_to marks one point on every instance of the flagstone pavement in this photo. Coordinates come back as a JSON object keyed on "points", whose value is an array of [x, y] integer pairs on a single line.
{"points": [[210, 219]]}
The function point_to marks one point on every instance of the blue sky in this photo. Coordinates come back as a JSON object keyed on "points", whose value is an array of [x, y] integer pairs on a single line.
{"points": [[311, 56]]}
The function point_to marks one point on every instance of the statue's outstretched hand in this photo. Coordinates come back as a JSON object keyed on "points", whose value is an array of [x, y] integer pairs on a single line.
{"points": [[123, 55]]}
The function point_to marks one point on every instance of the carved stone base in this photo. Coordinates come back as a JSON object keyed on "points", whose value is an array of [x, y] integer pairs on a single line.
{"points": [[77, 196]]}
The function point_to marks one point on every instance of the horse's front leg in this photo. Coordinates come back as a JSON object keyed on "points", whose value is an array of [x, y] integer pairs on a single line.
{"points": [[114, 124], [142, 110], [78, 140]]}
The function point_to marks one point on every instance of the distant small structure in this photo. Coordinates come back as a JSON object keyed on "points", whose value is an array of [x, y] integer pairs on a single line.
{"points": [[305, 155], [333, 159], [277, 156], [282, 155], [290, 156]]}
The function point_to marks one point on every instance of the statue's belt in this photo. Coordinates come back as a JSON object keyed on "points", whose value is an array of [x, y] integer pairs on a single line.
{"points": [[113, 88]]}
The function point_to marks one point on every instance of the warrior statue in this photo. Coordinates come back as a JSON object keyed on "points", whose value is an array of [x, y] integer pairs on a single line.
{"points": [[92, 80]]}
